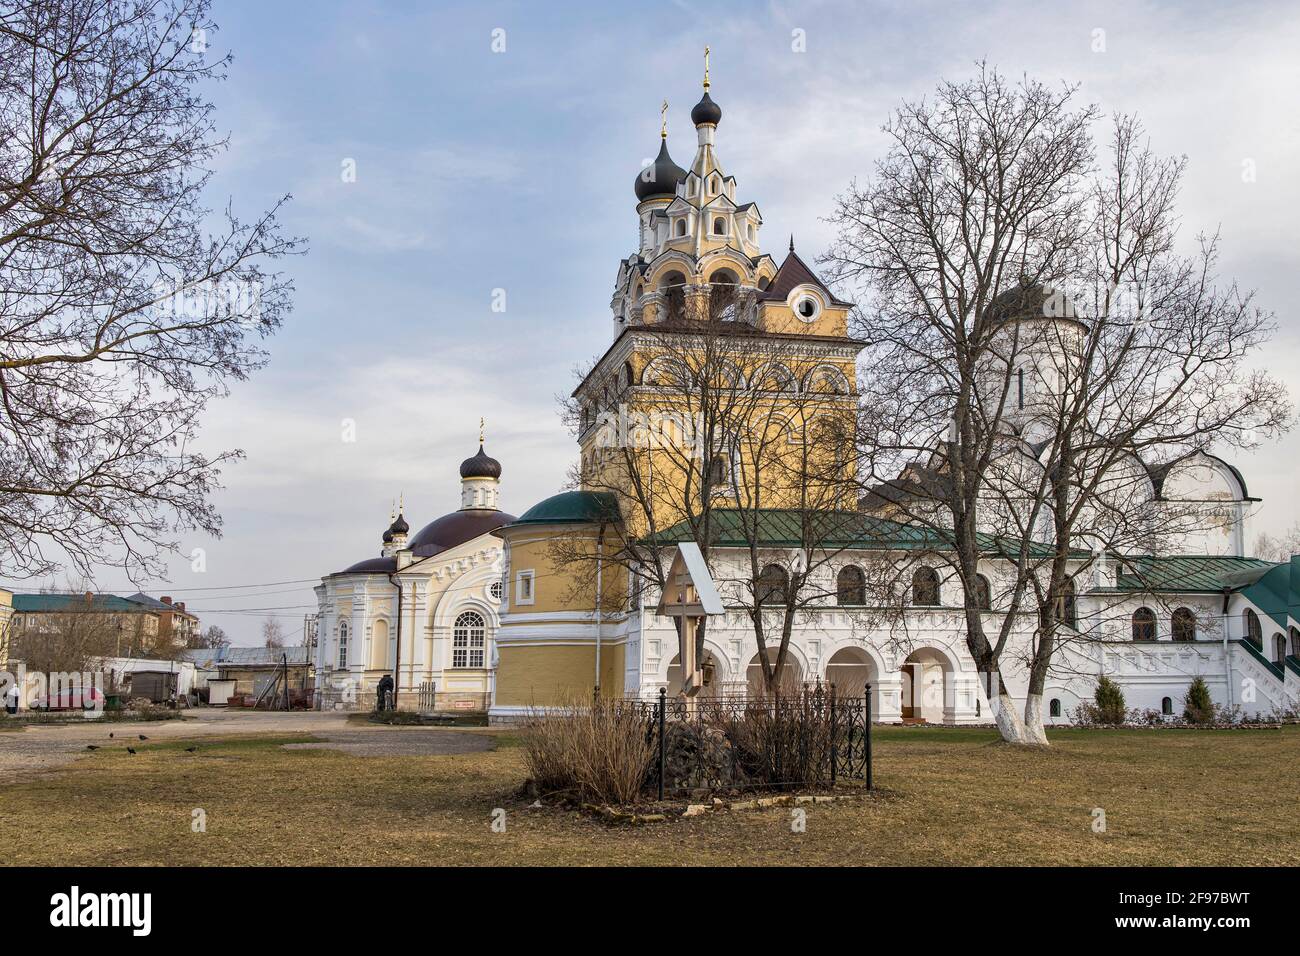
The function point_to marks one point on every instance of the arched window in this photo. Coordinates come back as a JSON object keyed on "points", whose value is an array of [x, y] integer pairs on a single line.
{"points": [[343, 644], [1144, 624], [1254, 633], [1279, 649], [673, 290], [981, 592], [851, 586], [681, 227], [1182, 624], [718, 474], [1295, 642], [719, 226], [1054, 707], [925, 587], [1166, 706], [764, 282], [772, 584], [468, 640], [496, 590]]}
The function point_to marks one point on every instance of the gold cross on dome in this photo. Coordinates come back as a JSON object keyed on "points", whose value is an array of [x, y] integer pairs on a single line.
{"points": [[706, 67], [663, 120], [480, 431]]}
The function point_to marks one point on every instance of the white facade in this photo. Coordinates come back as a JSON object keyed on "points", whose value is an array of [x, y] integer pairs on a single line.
{"points": [[429, 619]]}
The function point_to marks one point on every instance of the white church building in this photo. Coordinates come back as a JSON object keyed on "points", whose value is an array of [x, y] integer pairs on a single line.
{"points": [[464, 620]]}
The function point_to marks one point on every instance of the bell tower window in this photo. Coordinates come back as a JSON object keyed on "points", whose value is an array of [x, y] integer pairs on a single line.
{"points": [[719, 226]]}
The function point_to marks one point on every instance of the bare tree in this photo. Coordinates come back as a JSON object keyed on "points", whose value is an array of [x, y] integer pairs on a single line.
{"points": [[122, 315], [272, 633], [714, 443], [979, 188], [212, 637], [70, 641], [1278, 548], [1156, 372], [1045, 346]]}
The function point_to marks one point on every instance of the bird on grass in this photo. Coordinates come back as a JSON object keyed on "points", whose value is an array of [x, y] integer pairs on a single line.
{"points": [[91, 747], [130, 750], [190, 750], [143, 737], [110, 735]]}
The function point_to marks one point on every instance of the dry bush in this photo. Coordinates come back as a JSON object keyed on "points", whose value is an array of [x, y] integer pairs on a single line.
{"points": [[784, 741], [601, 753]]}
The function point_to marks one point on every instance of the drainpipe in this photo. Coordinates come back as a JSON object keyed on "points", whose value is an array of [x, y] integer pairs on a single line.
{"points": [[397, 662], [1227, 661], [600, 555]]}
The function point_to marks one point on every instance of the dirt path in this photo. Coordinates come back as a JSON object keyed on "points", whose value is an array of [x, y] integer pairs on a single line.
{"points": [[40, 748]]}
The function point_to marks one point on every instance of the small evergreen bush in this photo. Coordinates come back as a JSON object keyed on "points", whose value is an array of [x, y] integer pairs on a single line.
{"points": [[1110, 702], [1198, 708]]}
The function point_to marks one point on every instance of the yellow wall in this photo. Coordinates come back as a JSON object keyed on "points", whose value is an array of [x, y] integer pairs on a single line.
{"points": [[570, 586], [547, 675]]}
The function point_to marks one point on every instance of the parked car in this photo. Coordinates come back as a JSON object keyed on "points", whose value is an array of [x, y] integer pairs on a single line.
{"points": [[91, 698]]}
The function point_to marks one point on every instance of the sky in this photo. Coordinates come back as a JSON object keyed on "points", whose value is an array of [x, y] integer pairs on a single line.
{"points": [[495, 147]]}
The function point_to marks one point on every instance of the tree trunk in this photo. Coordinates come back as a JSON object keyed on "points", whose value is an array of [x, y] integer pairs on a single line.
{"points": [[1035, 732], [1005, 715]]}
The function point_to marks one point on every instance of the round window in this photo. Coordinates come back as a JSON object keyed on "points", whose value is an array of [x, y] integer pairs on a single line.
{"points": [[807, 308], [495, 590]]}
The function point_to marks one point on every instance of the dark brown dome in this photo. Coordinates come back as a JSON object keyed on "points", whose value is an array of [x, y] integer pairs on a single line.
{"points": [[372, 566], [456, 528]]}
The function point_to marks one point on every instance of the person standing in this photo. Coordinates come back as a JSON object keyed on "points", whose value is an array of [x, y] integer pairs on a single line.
{"points": [[384, 692], [12, 696]]}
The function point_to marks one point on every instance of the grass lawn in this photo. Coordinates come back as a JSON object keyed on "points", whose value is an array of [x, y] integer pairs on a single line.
{"points": [[947, 796]]}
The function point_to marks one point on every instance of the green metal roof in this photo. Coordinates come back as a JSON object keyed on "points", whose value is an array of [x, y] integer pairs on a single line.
{"points": [[572, 507], [778, 527], [1190, 573], [50, 603], [1277, 591]]}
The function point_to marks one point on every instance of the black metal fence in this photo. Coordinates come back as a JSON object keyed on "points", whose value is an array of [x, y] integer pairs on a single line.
{"points": [[812, 739]]}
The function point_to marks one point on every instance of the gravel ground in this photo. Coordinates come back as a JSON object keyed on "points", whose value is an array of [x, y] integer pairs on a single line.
{"points": [[35, 749]]}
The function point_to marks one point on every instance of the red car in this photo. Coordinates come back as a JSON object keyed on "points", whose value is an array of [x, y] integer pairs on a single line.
{"points": [[89, 698]]}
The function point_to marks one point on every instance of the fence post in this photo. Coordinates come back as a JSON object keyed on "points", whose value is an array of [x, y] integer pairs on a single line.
{"points": [[834, 741], [663, 706], [866, 733]]}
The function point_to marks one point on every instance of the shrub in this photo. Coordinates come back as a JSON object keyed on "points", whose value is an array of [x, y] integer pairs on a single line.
{"points": [[1198, 708], [1109, 701], [597, 753], [785, 742]]}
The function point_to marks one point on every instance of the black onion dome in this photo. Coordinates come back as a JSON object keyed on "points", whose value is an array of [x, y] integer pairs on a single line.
{"points": [[388, 536], [706, 111], [661, 177], [480, 465], [399, 526]]}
